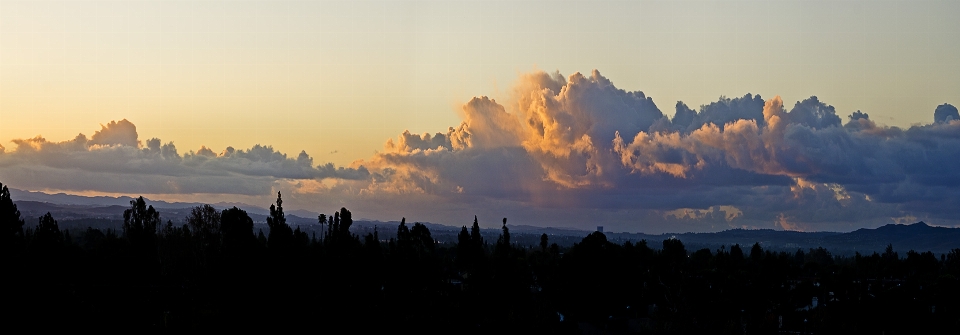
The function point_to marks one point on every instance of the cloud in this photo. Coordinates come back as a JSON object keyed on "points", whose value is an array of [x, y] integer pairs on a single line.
{"points": [[806, 142], [584, 143], [121, 132], [727, 213], [945, 113], [115, 161], [567, 151], [721, 112]]}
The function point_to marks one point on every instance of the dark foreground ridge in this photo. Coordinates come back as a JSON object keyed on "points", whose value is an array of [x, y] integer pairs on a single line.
{"points": [[219, 271]]}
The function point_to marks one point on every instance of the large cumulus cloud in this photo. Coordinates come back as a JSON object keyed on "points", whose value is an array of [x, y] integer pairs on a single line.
{"points": [[580, 142], [554, 133]]}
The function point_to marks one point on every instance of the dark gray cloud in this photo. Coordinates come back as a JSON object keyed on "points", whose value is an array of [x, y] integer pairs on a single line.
{"points": [[945, 113], [814, 114], [721, 112]]}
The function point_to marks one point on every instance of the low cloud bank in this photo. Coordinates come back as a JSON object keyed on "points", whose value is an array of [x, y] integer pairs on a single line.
{"points": [[115, 160]]}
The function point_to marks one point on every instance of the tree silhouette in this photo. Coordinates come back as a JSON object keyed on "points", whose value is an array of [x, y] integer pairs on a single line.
{"points": [[261, 238], [11, 225], [505, 236], [237, 228], [204, 222], [756, 252], [503, 248], [48, 234], [587, 272], [403, 236], [140, 222], [322, 218], [346, 220], [464, 246], [736, 254], [423, 243], [475, 233], [281, 235], [470, 250], [142, 257], [178, 252], [673, 251], [371, 245], [420, 283]]}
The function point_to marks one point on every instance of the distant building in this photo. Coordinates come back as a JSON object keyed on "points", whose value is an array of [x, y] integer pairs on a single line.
{"points": [[600, 229]]}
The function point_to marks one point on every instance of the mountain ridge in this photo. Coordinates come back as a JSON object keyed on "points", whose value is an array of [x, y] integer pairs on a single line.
{"points": [[919, 236]]}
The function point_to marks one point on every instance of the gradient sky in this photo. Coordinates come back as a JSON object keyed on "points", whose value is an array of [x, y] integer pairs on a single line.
{"points": [[337, 79]]}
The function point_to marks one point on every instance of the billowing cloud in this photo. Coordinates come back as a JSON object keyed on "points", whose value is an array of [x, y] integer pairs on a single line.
{"points": [[568, 151], [582, 142], [121, 132], [721, 112], [945, 113]]}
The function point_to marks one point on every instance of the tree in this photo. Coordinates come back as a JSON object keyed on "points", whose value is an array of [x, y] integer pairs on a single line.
{"points": [[339, 240], [237, 231], [140, 223], [48, 234], [736, 254], [261, 239], [422, 240], [587, 276], [503, 247], [889, 254], [403, 235], [674, 252], [506, 233], [281, 235], [463, 239], [204, 222], [322, 218], [11, 225], [470, 248], [475, 233], [463, 248], [346, 220], [756, 252]]}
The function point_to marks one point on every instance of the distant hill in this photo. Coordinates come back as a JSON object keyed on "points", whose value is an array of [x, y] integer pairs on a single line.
{"points": [[78, 210], [918, 236], [69, 199], [176, 212], [32, 210], [77, 202]]}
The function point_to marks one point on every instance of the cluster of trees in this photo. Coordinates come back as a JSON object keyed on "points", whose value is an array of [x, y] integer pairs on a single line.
{"points": [[214, 271]]}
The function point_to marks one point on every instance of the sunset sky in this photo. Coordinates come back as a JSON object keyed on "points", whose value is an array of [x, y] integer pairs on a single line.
{"points": [[550, 113]]}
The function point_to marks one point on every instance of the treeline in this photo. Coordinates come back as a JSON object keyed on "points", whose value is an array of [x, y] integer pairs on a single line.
{"points": [[214, 272]]}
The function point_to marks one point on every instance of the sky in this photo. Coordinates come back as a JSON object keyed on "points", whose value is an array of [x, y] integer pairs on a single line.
{"points": [[550, 113]]}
